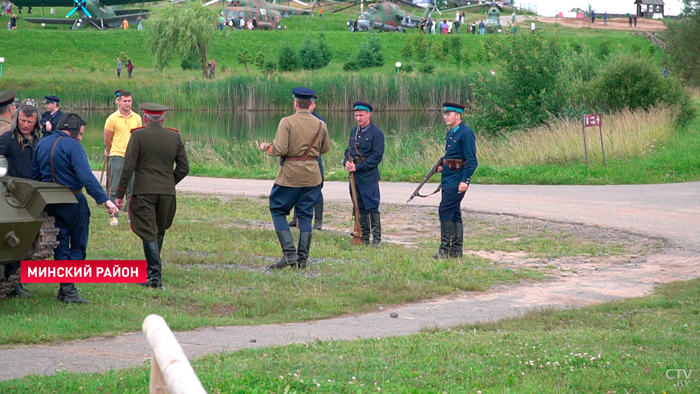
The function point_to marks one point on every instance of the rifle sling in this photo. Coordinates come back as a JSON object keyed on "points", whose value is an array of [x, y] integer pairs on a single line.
{"points": [[428, 195]]}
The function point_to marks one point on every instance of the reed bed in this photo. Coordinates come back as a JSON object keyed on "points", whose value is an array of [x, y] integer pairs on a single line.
{"points": [[626, 134]]}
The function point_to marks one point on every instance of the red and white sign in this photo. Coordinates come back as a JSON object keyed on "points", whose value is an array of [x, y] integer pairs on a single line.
{"points": [[592, 120], [84, 271]]}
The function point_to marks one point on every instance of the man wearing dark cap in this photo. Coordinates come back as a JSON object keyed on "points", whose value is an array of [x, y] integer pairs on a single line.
{"points": [[365, 151], [7, 110], [458, 166], [61, 159], [150, 156], [318, 208], [301, 138], [53, 114]]}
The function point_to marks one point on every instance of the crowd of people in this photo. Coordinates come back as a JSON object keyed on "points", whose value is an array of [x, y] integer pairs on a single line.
{"points": [[144, 162]]}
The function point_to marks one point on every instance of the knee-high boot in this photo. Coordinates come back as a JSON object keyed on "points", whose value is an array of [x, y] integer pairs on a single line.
{"points": [[365, 226], [289, 252], [303, 250], [318, 216], [68, 294], [376, 219], [457, 239], [445, 239], [155, 267]]}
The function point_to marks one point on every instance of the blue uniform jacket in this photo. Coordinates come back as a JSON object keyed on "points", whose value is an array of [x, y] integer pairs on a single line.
{"points": [[367, 143], [460, 143], [18, 150], [70, 165], [320, 161], [53, 119]]}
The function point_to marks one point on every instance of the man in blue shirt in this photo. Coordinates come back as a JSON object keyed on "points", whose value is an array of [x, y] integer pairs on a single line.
{"points": [[53, 114], [60, 158], [366, 150], [458, 166]]}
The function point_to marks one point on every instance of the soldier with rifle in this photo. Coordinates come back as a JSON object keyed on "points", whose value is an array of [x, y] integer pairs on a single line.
{"points": [[364, 153]]}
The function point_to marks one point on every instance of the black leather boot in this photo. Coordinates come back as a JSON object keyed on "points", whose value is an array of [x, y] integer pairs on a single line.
{"points": [[365, 226], [289, 252], [445, 239], [19, 290], [303, 250], [293, 223], [457, 240], [318, 216], [68, 294], [376, 219], [152, 254], [160, 248]]}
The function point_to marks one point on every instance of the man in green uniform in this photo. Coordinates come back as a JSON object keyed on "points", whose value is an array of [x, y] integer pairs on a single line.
{"points": [[301, 138], [7, 109], [150, 156]]}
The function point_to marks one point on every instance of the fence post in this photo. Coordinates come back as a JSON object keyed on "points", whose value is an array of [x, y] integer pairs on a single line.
{"points": [[585, 148], [171, 373]]}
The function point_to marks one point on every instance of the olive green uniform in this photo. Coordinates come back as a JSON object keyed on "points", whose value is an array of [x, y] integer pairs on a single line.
{"points": [[5, 125], [150, 156]]}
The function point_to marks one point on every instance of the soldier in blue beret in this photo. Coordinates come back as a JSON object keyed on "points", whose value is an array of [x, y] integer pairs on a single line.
{"points": [[458, 166], [50, 118], [365, 151], [301, 138]]}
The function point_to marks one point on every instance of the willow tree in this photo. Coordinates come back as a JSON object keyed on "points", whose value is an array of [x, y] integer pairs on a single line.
{"points": [[180, 30]]}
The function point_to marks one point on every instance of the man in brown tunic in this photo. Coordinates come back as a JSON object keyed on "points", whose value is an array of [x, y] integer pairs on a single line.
{"points": [[150, 155], [7, 110], [300, 139]]}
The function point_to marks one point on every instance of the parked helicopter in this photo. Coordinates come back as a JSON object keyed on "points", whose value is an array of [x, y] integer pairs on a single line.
{"points": [[266, 15], [388, 17], [95, 13]]}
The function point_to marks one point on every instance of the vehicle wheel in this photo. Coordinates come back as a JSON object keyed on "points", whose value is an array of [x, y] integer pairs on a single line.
{"points": [[46, 241]]}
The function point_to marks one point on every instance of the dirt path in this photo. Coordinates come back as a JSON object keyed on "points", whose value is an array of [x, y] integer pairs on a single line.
{"points": [[613, 23], [636, 215]]}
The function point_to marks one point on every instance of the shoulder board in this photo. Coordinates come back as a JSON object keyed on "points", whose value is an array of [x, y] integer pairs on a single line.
{"points": [[171, 129], [138, 128]]}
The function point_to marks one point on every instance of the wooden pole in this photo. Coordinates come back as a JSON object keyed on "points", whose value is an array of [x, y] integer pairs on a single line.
{"points": [[585, 148]]}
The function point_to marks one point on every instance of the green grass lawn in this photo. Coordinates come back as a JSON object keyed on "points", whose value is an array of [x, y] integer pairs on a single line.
{"points": [[632, 346], [214, 257]]}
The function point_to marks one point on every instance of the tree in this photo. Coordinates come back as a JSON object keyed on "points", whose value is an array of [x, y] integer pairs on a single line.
{"points": [[180, 30], [456, 50], [244, 58], [683, 47], [370, 53], [259, 60], [288, 59]]}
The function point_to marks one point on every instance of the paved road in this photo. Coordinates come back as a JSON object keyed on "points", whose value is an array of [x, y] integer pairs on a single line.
{"points": [[669, 211]]}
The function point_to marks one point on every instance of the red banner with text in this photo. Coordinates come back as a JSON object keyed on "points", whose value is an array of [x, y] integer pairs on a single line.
{"points": [[84, 271]]}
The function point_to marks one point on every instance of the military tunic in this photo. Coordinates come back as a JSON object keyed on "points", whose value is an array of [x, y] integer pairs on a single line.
{"points": [[5, 124], [460, 144], [150, 156], [298, 183], [366, 147]]}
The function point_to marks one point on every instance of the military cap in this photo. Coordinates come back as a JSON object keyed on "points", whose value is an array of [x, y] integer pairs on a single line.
{"points": [[453, 107], [71, 122], [362, 106], [303, 93], [52, 99], [154, 109], [118, 92], [7, 97]]}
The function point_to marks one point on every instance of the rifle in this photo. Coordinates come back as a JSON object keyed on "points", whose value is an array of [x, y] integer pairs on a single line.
{"points": [[357, 231], [105, 166], [427, 176]]}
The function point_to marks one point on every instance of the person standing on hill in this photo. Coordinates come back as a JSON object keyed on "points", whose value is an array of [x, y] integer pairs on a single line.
{"points": [[129, 67], [458, 166], [119, 67]]}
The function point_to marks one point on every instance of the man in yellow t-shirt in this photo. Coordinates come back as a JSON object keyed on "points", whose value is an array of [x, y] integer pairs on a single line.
{"points": [[117, 133]]}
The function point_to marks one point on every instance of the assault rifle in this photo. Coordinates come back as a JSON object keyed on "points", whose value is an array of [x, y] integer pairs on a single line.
{"points": [[425, 179], [357, 231]]}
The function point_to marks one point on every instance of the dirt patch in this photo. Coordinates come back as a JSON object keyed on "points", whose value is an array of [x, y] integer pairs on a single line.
{"points": [[613, 23]]}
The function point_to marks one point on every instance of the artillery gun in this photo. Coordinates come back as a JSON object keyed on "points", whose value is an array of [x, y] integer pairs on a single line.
{"points": [[26, 231]]}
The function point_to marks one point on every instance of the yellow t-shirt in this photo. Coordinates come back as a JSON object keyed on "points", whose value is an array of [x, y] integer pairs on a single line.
{"points": [[121, 126]]}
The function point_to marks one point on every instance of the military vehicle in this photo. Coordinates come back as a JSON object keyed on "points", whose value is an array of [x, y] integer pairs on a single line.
{"points": [[387, 16], [96, 13], [266, 15], [26, 231]]}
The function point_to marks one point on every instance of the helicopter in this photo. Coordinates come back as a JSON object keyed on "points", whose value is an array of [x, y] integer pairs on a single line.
{"points": [[387, 16], [267, 15], [97, 13]]}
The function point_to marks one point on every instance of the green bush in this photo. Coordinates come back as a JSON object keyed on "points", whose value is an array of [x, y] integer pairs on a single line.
{"points": [[288, 60], [421, 48], [370, 53], [269, 67], [192, 62], [351, 65], [683, 47], [407, 68], [259, 60], [427, 68], [314, 54]]}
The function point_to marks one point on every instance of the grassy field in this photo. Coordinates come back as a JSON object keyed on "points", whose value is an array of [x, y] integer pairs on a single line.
{"points": [[630, 346], [214, 271]]}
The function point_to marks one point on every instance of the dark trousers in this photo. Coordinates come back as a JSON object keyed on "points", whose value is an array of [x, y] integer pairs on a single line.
{"points": [[368, 198], [73, 222], [151, 215], [450, 205], [302, 199]]}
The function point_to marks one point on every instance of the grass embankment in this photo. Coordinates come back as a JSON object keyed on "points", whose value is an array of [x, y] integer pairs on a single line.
{"points": [[80, 66], [213, 259], [640, 147], [631, 346]]}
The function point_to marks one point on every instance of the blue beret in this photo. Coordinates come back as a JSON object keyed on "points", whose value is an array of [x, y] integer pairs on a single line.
{"points": [[118, 92], [362, 106], [453, 107], [303, 93], [51, 99]]}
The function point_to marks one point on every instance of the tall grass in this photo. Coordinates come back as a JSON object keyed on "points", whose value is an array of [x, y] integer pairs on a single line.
{"points": [[626, 134]]}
